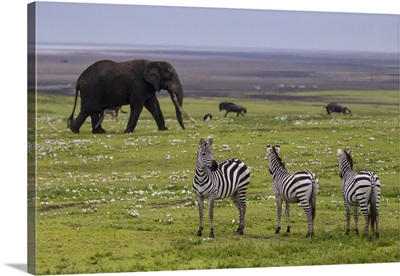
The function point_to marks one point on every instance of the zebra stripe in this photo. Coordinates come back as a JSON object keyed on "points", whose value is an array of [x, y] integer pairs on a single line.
{"points": [[359, 190], [301, 186], [212, 180]]}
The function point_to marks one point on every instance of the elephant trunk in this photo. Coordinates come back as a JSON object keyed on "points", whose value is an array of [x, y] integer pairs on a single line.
{"points": [[177, 99]]}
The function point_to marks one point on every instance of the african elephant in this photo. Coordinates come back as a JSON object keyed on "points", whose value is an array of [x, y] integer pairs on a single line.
{"points": [[107, 84], [335, 107]]}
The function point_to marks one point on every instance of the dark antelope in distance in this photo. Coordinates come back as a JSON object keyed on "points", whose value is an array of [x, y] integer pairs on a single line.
{"points": [[231, 107], [335, 107]]}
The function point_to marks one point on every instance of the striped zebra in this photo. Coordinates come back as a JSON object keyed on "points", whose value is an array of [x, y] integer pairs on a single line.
{"points": [[358, 190], [301, 186], [212, 180]]}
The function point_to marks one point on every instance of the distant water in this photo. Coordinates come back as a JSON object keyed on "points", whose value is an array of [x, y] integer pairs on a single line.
{"points": [[217, 72]]}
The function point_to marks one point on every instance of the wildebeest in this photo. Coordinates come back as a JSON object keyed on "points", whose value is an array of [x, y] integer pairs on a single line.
{"points": [[335, 107], [231, 107]]}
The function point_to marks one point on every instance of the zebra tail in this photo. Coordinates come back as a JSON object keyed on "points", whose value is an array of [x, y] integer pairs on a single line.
{"points": [[313, 198], [372, 207]]}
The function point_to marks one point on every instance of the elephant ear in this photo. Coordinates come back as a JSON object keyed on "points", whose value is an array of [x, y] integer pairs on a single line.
{"points": [[152, 76]]}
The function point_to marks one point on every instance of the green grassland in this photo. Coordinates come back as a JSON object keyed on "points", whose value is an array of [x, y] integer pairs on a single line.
{"points": [[120, 202]]}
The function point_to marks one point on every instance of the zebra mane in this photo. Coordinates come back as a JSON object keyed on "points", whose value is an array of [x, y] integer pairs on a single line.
{"points": [[349, 159], [278, 158]]}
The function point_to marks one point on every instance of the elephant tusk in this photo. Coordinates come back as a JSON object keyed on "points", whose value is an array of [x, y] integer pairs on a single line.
{"points": [[175, 99]]}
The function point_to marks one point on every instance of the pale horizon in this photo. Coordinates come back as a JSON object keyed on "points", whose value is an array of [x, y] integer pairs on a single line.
{"points": [[68, 23]]}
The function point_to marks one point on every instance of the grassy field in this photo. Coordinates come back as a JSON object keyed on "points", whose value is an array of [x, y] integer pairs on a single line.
{"points": [[120, 202]]}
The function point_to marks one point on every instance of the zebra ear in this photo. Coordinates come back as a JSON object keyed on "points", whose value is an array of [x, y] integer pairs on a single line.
{"points": [[202, 142], [277, 148], [268, 147], [210, 142], [349, 151], [339, 152]]}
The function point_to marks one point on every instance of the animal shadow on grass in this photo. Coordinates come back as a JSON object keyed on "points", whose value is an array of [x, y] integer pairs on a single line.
{"points": [[260, 236]]}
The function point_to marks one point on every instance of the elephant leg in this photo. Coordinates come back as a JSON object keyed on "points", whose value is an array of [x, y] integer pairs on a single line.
{"points": [[136, 109], [78, 122], [97, 119], [153, 106]]}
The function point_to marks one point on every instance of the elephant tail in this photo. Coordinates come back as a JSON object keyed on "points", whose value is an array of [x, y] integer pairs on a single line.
{"points": [[71, 118]]}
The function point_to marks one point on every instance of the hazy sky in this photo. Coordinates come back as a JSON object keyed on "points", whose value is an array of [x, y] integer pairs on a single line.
{"points": [[132, 24], [154, 25]]}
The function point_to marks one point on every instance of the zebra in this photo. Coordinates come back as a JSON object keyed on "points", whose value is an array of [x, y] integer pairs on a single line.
{"points": [[358, 190], [212, 180], [300, 186], [231, 107]]}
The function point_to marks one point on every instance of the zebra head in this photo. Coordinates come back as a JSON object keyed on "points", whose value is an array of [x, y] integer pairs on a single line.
{"points": [[205, 158], [275, 162], [345, 161]]}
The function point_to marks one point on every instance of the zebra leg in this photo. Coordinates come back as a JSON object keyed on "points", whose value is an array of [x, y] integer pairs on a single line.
{"points": [[200, 201], [242, 214], [363, 203], [211, 214], [356, 219], [310, 231], [287, 217], [347, 217], [363, 200], [377, 221], [239, 207], [307, 211], [279, 206], [366, 214]]}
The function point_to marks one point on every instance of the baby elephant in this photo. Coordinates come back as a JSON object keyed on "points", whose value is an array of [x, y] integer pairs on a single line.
{"points": [[110, 111], [113, 111], [335, 107]]}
